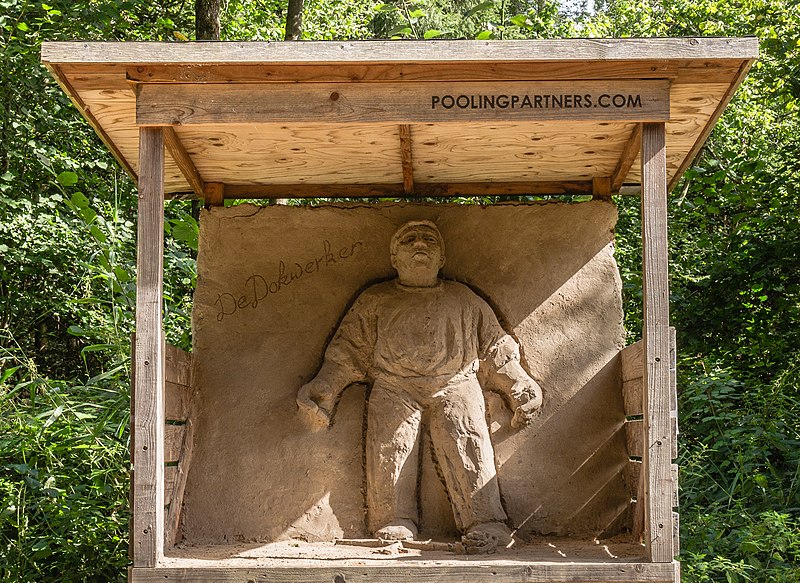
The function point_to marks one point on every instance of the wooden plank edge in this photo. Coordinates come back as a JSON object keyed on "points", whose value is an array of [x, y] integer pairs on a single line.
{"points": [[425, 189], [712, 121], [483, 572], [182, 159], [381, 51], [246, 73], [87, 114]]}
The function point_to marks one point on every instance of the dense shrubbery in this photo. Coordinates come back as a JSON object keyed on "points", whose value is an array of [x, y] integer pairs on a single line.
{"points": [[67, 278]]}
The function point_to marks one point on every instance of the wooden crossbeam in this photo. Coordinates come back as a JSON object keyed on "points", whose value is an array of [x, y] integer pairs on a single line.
{"points": [[183, 160], [404, 102], [406, 157]]}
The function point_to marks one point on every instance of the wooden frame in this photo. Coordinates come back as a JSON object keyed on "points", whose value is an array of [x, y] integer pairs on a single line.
{"points": [[174, 96]]}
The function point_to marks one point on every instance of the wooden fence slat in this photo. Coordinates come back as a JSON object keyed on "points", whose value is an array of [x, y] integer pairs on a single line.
{"points": [[634, 436], [633, 361], [173, 518], [173, 442], [179, 365], [633, 396]]}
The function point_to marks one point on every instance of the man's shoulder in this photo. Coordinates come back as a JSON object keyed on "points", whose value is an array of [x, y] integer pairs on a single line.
{"points": [[459, 289]]}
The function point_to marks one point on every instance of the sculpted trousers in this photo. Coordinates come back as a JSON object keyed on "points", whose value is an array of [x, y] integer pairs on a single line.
{"points": [[461, 443]]}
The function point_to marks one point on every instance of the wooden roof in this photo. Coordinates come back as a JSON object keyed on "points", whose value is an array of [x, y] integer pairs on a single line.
{"points": [[362, 118]]}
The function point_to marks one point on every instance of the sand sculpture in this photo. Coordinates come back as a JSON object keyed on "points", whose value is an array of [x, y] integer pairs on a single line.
{"points": [[419, 340]]}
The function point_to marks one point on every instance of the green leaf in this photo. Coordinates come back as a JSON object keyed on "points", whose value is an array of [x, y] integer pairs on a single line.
{"points": [[400, 29], [67, 178], [385, 8], [98, 234], [478, 7], [79, 200], [416, 13], [433, 33], [485, 35], [22, 26], [7, 374], [76, 331]]}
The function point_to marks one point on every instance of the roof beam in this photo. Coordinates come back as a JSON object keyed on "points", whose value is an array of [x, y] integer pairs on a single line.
{"points": [[629, 154], [406, 157], [183, 160]]}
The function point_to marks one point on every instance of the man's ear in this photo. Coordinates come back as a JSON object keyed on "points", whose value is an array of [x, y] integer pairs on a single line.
{"points": [[441, 262], [392, 260]]}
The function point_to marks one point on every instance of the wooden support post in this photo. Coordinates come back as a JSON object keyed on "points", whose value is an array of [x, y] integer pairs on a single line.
{"points": [[601, 187], [215, 194], [407, 160], [657, 457], [148, 455]]}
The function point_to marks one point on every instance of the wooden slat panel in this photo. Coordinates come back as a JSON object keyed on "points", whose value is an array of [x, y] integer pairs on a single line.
{"points": [[676, 534], [633, 474], [173, 442], [673, 372], [657, 449], [519, 151], [632, 361], [179, 365], [675, 474], [177, 401], [296, 154], [148, 457], [673, 422], [633, 396], [615, 572], [692, 107], [402, 103], [170, 476], [173, 517], [115, 112], [634, 435]]}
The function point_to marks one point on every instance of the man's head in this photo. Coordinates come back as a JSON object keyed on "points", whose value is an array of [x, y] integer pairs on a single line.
{"points": [[417, 253]]}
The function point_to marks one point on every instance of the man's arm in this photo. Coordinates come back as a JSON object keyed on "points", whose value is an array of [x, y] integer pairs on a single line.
{"points": [[347, 360], [502, 352], [524, 393]]}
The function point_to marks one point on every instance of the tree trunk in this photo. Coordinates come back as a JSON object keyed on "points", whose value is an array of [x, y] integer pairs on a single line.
{"points": [[206, 27], [206, 19], [294, 20]]}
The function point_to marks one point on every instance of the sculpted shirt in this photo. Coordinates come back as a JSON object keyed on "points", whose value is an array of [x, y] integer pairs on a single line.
{"points": [[433, 335]]}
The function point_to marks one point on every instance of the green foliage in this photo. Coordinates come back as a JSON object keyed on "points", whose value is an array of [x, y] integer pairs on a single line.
{"points": [[67, 275]]}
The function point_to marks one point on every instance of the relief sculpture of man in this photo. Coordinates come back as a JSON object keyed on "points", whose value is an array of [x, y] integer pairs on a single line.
{"points": [[419, 339]]}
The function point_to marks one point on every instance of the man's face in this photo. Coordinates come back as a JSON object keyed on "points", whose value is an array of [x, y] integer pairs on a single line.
{"points": [[418, 250]]}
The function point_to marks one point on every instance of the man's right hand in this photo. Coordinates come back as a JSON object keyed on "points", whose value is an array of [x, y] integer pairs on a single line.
{"points": [[315, 400]]}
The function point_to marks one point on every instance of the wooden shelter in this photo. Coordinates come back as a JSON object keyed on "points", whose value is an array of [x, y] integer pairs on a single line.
{"points": [[401, 119]]}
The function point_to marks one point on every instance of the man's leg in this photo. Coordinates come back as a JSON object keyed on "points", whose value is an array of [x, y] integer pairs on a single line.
{"points": [[466, 459], [393, 424]]}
